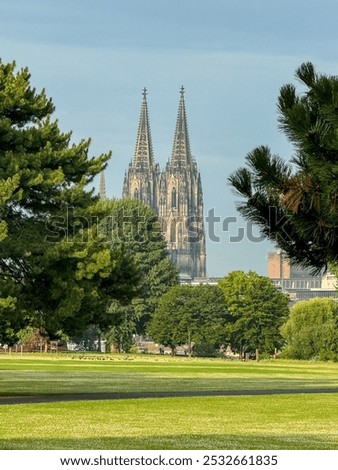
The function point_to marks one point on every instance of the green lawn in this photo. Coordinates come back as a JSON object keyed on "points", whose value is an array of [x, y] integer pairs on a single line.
{"points": [[21, 375], [302, 421]]}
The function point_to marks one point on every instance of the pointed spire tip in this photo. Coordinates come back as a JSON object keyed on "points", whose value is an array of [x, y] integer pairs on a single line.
{"points": [[143, 156]]}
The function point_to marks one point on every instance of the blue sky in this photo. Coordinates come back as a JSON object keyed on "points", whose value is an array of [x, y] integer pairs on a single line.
{"points": [[93, 57]]}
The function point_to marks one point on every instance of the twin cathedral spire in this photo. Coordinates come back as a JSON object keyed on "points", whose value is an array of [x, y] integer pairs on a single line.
{"points": [[175, 193]]}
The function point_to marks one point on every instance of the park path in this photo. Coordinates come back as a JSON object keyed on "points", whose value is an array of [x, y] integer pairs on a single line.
{"points": [[27, 399]]}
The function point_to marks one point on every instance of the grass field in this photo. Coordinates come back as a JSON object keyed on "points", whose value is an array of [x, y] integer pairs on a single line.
{"points": [[273, 421]]}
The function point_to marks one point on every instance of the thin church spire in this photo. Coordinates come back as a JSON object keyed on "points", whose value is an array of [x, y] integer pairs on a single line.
{"points": [[181, 154], [144, 157], [102, 186]]}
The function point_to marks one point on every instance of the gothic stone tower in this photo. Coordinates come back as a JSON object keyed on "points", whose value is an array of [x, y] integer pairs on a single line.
{"points": [[141, 181], [175, 194]]}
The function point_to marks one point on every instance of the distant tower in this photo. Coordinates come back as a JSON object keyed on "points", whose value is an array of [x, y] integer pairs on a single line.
{"points": [[102, 186], [181, 203], [175, 194], [142, 178]]}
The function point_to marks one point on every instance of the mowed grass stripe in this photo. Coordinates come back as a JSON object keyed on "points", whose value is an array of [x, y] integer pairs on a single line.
{"points": [[30, 383], [255, 422]]}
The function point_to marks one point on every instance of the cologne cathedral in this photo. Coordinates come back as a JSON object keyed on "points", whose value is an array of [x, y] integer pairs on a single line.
{"points": [[175, 193]]}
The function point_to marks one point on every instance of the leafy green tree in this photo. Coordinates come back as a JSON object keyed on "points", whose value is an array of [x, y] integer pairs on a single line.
{"points": [[311, 331], [190, 314], [136, 227], [295, 204], [257, 311], [52, 267]]}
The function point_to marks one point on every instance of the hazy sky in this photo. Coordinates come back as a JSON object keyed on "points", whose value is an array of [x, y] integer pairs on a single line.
{"points": [[93, 57]]}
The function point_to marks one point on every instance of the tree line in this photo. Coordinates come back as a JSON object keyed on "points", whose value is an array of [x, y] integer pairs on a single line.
{"points": [[248, 313]]}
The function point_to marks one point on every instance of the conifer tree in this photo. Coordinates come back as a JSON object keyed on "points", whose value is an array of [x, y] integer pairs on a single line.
{"points": [[296, 204], [55, 274]]}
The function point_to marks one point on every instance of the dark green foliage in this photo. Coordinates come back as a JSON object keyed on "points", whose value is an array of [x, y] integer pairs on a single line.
{"points": [[190, 314], [137, 229], [89, 340], [206, 350], [296, 204], [257, 311], [53, 272]]}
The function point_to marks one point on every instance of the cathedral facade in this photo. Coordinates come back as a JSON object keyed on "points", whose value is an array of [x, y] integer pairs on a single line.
{"points": [[175, 193]]}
